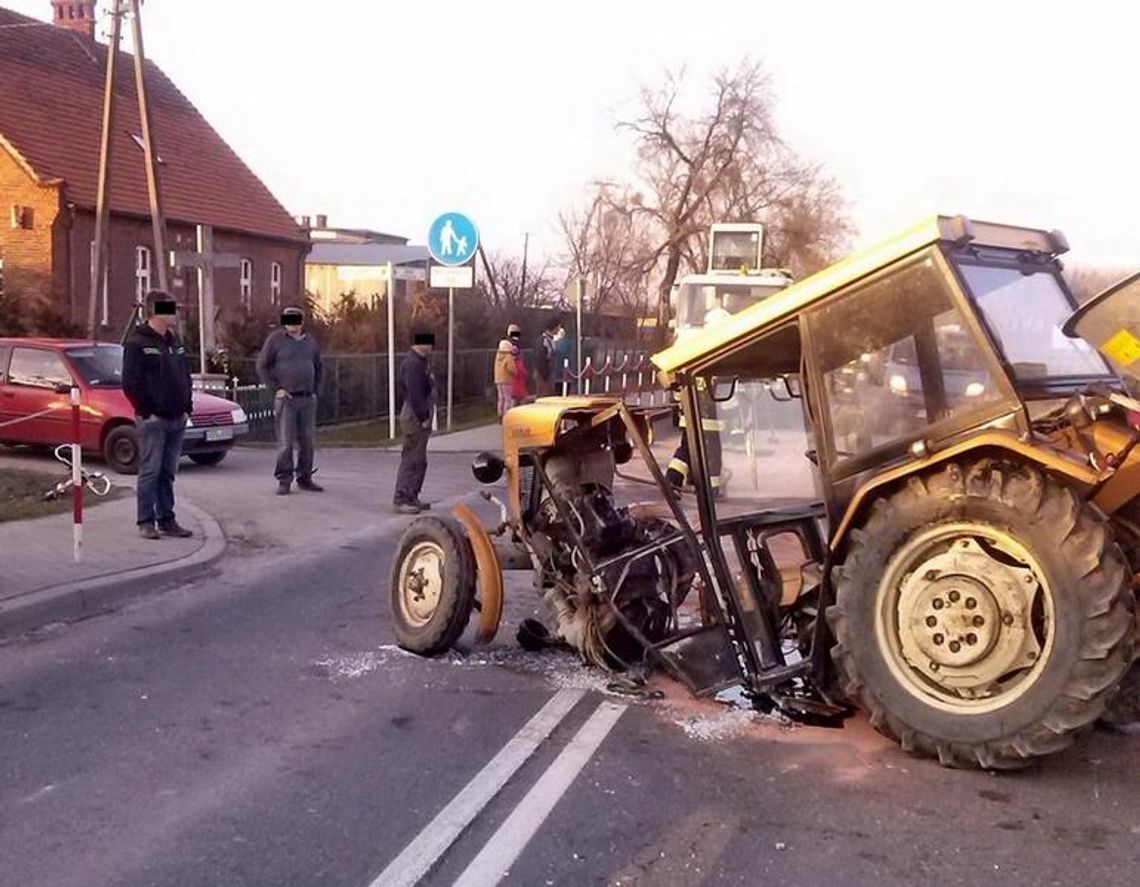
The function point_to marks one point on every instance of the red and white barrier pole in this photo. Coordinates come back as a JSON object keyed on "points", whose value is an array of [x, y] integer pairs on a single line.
{"points": [[76, 479]]}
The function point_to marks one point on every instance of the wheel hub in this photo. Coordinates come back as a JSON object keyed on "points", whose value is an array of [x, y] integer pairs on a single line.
{"points": [[421, 582], [965, 618]]}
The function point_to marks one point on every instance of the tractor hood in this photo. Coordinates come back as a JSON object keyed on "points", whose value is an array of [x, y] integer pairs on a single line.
{"points": [[1110, 322], [538, 424]]}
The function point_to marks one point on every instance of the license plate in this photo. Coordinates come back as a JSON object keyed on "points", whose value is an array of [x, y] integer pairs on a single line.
{"points": [[219, 433]]}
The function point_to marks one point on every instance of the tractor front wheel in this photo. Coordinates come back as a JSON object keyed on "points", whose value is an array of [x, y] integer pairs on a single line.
{"points": [[983, 615], [432, 585]]}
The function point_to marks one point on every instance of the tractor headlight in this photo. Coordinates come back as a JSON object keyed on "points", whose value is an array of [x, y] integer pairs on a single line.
{"points": [[487, 468]]}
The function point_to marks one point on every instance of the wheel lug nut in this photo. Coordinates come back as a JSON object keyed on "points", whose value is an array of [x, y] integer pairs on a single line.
{"points": [[971, 603], [979, 621], [971, 639], [955, 596], [930, 575], [938, 603], [938, 639], [931, 621], [1007, 619], [934, 666], [955, 646]]}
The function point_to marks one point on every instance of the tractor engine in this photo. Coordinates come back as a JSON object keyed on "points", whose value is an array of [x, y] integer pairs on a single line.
{"points": [[585, 601]]}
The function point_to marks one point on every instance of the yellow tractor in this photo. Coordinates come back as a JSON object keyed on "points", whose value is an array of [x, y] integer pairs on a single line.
{"points": [[964, 569]]}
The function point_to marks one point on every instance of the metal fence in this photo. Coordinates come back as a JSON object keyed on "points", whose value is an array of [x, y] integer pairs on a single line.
{"points": [[354, 387]]}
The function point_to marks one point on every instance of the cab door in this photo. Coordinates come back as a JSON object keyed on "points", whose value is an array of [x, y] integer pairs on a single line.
{"points": [[30, 394]]}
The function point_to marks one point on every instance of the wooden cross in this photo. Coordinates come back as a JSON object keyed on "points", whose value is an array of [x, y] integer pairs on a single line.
{"points": [[206, 261]]}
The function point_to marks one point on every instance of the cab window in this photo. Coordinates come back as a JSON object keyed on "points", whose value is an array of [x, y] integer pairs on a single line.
{"points": [[5, 350], [36, 368], [896, 357]]}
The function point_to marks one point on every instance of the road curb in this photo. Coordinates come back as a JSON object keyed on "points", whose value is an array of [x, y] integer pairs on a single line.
{"points": [[97, 594]]}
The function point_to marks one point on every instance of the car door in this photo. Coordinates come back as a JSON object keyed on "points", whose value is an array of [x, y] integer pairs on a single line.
{"points": [[31, 394]]}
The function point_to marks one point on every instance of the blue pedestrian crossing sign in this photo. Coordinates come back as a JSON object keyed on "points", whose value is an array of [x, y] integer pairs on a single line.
{"points": [[453, 239]]}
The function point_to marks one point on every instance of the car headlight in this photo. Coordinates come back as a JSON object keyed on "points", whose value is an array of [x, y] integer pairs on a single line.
{"points": [[975, 389], [897, 384], [239, 416]]}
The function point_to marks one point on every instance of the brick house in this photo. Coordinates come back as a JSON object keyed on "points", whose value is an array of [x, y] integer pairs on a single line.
{"points": [[51, 98]]}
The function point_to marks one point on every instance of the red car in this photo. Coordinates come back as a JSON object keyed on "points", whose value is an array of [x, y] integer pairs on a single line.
{"points": [[37, 375]]}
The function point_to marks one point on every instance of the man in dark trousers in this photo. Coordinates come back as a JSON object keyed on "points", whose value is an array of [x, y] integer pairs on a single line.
{"points": [[290, 367], [415, 423], [545, 356], [156, 380]]}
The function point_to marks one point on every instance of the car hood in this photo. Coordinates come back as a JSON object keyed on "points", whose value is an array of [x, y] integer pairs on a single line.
{"points": [[211, 403]]}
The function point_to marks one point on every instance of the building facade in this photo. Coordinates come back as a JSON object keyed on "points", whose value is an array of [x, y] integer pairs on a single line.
{"points": [[51, 104]]}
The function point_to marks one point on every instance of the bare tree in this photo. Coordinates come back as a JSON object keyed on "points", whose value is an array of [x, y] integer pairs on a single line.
{"points": [[725, 164]]}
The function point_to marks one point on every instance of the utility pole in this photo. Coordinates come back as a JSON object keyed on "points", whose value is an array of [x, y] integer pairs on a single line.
{"points": [[102, 206], [102, 200], [157, 219]]}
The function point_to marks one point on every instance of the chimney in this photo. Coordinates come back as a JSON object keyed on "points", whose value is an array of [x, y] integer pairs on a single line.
{"points": [[322, 221], [76, 15]]}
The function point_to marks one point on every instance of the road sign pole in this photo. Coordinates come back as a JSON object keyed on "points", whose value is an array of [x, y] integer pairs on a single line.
{"points": [[391, 352], [578, 352], [450, 349]]}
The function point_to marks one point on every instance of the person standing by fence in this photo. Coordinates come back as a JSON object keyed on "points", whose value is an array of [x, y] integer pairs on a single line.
{"points": [[156, 380], [290, 367], [415, 423], [505, 368], [545, 357]]}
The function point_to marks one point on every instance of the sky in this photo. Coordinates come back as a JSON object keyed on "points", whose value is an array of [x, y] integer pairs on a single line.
{"points": [[385, 114]]}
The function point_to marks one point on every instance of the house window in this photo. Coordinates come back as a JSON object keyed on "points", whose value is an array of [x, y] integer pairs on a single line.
{"points": [[246, 284], [275, 283], [142, 274]]}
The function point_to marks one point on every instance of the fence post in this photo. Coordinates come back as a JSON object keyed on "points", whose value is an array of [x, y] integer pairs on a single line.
{"points": [[565, 371], [76, 480], [586, 369]]}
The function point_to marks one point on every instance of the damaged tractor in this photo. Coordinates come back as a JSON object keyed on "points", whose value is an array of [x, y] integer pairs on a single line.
{"points": [[964, 568]]}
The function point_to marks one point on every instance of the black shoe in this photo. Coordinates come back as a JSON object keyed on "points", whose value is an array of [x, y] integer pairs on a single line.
{"points": [[283, 489], [406, 508], [149, 531], [173, 528], [422, 506], [311, 486]]}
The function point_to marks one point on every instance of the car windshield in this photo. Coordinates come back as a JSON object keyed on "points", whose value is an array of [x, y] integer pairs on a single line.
{"points": [[1026, 309], [100, 366]]}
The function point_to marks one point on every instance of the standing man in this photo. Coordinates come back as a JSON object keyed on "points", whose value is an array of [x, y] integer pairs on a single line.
{"points": [[290, 367], [415, 423], [545, 356], [156, 380]]}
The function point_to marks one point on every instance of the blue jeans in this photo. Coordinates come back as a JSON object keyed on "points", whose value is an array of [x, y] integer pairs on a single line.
{"points": [[160, 446]]}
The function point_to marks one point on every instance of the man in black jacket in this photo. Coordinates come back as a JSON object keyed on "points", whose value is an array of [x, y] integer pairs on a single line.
{"points": [[156, 379], [415, 423]]}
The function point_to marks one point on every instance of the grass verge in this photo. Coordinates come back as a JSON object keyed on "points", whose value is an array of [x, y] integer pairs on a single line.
{"points": [[22, 495]]}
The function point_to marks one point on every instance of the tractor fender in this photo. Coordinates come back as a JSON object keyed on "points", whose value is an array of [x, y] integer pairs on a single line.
{"points": [[998, 443], [489, 578]]}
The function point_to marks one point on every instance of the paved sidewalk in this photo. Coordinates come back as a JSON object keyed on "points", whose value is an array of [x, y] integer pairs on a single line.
{"points": [[40, 581]]}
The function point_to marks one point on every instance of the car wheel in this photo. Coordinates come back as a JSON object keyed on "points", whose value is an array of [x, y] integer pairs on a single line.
{"points": [[121, 450], [208, 458]]}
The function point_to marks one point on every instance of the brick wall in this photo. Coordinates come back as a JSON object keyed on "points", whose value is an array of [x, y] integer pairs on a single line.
{"points": [[28, 252]]}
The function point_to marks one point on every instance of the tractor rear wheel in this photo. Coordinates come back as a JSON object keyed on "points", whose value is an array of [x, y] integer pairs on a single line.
{"points": [[983, 615], [432, 585]]}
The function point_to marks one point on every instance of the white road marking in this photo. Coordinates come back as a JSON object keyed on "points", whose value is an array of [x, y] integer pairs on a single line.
{"points": [[504, 847], [430, 844]]}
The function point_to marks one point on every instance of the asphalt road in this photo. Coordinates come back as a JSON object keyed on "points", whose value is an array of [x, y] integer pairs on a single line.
{"points": [[258, 727]]}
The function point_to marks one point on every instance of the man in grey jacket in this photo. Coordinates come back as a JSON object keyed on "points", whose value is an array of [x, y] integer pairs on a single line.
{"points": [[290, 367]]}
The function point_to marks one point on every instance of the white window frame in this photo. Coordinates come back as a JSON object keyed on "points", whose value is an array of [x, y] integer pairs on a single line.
{"points": [[245, 283], [142, 273], [275, 283]]}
